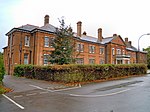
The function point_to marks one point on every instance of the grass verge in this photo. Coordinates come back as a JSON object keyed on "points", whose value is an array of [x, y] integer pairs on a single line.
{"points": [[4, 89]]}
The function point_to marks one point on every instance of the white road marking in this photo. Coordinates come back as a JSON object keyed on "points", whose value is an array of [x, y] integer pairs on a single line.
{"points": [[78, 95], [31, 94], [43, 92], [55, 90], [13, 102], [65, 89], [18, 96], [41, 88], [111, 94], [37, 87]]}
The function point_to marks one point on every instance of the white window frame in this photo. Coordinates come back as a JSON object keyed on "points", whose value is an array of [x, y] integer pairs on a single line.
{"points": [[46, 41], [79, 60], [118, 51], [123, 52], [80, 47], [26, 58], [101, 50], [102, 61], [91, 61], [45, 59], [51, 40], [113, 51], [27, 41], [91, 49]]}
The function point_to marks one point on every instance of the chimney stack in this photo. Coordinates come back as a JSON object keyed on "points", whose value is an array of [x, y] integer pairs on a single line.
{"points": [[46, 19], [126, 39], [130, 43], [100, 35], [79, 25]]}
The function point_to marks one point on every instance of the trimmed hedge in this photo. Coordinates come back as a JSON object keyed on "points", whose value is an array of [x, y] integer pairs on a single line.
{"points": [[79, 73], [2, 70]]}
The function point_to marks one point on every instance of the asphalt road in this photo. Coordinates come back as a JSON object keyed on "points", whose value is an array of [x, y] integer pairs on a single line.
{"points": [[128, 95]]}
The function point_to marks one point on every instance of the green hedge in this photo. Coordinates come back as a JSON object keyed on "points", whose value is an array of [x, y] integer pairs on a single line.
{"points": [[2, 70], [79, 73]]}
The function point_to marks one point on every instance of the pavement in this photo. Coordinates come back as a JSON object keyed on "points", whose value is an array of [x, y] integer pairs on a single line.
{"points": [[20, 84], [126, 95]]}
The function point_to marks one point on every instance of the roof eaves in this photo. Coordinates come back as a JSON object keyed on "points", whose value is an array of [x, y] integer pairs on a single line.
{"points": [[18, 29], [78, 38]]}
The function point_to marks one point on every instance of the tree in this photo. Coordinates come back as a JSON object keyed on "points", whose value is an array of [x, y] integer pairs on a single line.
{"points": [[2, 70], [148, 56], [63, 45]]}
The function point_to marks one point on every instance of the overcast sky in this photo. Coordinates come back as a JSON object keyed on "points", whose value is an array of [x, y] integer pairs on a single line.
{"points": [[128, 18]]}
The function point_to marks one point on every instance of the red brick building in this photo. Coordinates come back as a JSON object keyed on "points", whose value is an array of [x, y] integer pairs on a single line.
{"points": [[31, 44]]}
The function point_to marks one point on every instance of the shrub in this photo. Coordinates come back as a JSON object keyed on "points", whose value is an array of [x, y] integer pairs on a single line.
{"points": [[2, 70], [79, 73]]}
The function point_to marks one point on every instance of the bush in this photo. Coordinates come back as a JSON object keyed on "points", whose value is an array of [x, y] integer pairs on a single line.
{"points": [[79, 73], [2, 70]]}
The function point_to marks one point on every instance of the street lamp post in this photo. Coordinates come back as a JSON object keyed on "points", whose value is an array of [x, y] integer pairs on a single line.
{"points": [[139, 45]]}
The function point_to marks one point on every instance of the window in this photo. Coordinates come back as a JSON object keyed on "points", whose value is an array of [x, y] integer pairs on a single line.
{"points": [[123, 52], [80, 47], [26, 59], [91, 61], [51, 40], [79, 61], [101, 51], [118, 51], [45, 59], [113, 51], [91, 49], [101, 61], [27, 41], [113, 62], [46, 42]]}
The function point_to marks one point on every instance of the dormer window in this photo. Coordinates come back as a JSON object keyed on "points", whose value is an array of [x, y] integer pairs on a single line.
{"points": [[27, 41]]}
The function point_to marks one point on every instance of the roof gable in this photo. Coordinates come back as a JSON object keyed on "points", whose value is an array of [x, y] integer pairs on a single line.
{"points": [[118, 40]]}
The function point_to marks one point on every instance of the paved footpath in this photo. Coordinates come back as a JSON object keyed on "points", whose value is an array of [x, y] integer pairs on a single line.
{"points": [[20, 84]]}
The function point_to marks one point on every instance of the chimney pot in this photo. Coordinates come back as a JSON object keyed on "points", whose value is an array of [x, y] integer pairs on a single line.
{"points": [[46, 19], [84, 33], [114, 35], [130, 43]]}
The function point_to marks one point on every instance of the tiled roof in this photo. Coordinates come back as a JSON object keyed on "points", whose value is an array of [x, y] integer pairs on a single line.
{"points": [[48, 27], [107, 40], [88, 38], [94, 39], [28, 27], [131, 48]]}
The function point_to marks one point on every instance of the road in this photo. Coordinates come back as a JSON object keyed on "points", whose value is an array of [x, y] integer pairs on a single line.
{"points": [[127, 95]]}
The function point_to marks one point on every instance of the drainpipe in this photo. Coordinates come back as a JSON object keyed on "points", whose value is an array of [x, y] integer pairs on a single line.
{"points": [[10, 49], [34, 49], [20, 48], [106, 54]]}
